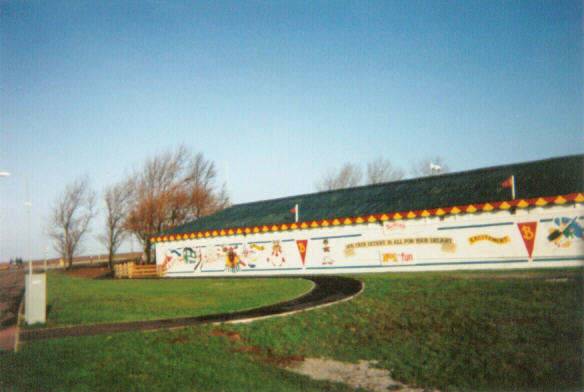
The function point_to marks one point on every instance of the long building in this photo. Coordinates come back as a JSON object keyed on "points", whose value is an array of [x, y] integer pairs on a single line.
{"points": [[464, 220]]}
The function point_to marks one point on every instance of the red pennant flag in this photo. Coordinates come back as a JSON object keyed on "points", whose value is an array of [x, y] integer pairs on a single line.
{"points": [[528, 230], [301, 244], [508, 183], [293, 210]]}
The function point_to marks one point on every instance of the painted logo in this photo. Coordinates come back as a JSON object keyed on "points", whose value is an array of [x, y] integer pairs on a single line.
{"points": [[302, 244], [565, 231], [528, 230]]}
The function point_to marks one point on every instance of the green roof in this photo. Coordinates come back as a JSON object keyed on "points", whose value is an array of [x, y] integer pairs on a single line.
{"points": [[550, 177]]}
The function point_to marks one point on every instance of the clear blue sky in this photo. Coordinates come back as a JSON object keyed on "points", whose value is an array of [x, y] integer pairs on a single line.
{"points": [[277, 92]]}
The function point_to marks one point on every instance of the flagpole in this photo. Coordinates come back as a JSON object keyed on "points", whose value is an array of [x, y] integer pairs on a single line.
{"points": [[296, 213], [513, 186]]}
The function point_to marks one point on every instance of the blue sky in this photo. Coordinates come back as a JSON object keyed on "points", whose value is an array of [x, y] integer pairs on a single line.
{"points": [[276, 93]]}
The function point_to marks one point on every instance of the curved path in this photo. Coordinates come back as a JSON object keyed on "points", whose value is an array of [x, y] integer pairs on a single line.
{"points": [[327, 290]]}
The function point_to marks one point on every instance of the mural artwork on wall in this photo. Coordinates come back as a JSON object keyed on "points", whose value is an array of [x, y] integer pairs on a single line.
{"points": [[528, 230], [565, 231], [276, 258], [302, 244], [233, 262], [486, 237], [326, 253]]}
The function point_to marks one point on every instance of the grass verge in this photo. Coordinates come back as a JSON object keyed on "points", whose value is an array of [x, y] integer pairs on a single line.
{"points": [[494, 331], [73, 300]]}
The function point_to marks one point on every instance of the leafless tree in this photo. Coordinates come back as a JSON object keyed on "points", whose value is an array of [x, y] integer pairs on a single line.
{"points": [[172, 188], [349, 175], [117, 203], [429, 167], [70, 218], [382, 170]]}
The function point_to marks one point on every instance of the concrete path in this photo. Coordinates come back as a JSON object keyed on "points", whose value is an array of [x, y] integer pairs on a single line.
{"points": [[327, 290], [11, 291]]}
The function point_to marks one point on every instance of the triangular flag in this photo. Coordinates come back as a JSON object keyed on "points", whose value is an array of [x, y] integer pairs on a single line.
{"points": [[528, 230], [508, 183], [301, 244]]}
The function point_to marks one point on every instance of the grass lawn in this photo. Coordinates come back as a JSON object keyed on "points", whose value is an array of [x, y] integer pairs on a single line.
{"points": [[515, 330], [73, 300]]}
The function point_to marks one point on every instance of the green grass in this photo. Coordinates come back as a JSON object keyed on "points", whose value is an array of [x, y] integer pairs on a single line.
{"points": [[83, 301], [453, 331], [184, 360]]}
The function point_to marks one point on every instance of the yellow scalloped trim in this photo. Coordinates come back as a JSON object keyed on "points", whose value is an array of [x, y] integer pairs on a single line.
{"points": [[397, 216], [303, 225], [284, 227], [488, 207], [336, 222], [425, 213], [440, 212], [383, 217], [347, 221], [579, 198], [411, 215], [504, 206], [455, 210], [522, 204], [274, 228], [294, 226], [541, 202], [359, 220], [325, 223], [560, 200]]}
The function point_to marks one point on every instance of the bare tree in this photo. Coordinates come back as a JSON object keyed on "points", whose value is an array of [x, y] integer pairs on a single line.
{"points": [[382, 170], [70, 218], [172, 188], [429, 167], [117, 202], [349, 175]]}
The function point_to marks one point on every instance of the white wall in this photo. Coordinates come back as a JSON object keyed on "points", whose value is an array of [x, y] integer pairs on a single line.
{"points": [[471, 241]]}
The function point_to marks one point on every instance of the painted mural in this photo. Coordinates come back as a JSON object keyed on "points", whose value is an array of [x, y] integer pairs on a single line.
{"points": [[551, 237]]}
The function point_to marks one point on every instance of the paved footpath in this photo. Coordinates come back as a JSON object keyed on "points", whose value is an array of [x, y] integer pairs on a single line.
{"points": [[327, 290], [11, 291]]}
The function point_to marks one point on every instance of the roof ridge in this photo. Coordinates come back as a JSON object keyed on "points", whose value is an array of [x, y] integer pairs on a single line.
{"points": [[408, 180]]}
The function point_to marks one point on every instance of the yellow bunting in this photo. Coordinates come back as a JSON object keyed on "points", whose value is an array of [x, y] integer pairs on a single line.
{"points": [[579, 198], [200, 235], [347, 221], [284, 227], [522, 204], [384, 217], [171, 238], [214, 233], [222, 232], [411, 215], [440, 212], [274, 228], [488, 207], [238, 231], [336, 222], [560, 200], [504, 206], [371, 219], [247, 230], [425, 213], [397, 215], [324, 223], [471, 208], [455, 210], [359, 220], [541, 202], [314, 224], [256, 229], [293, 226], [192, 236], [304, 225], [265, 228]]}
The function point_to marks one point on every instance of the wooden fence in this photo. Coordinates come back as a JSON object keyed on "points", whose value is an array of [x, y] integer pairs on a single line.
{"points": [[132, 270]]}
